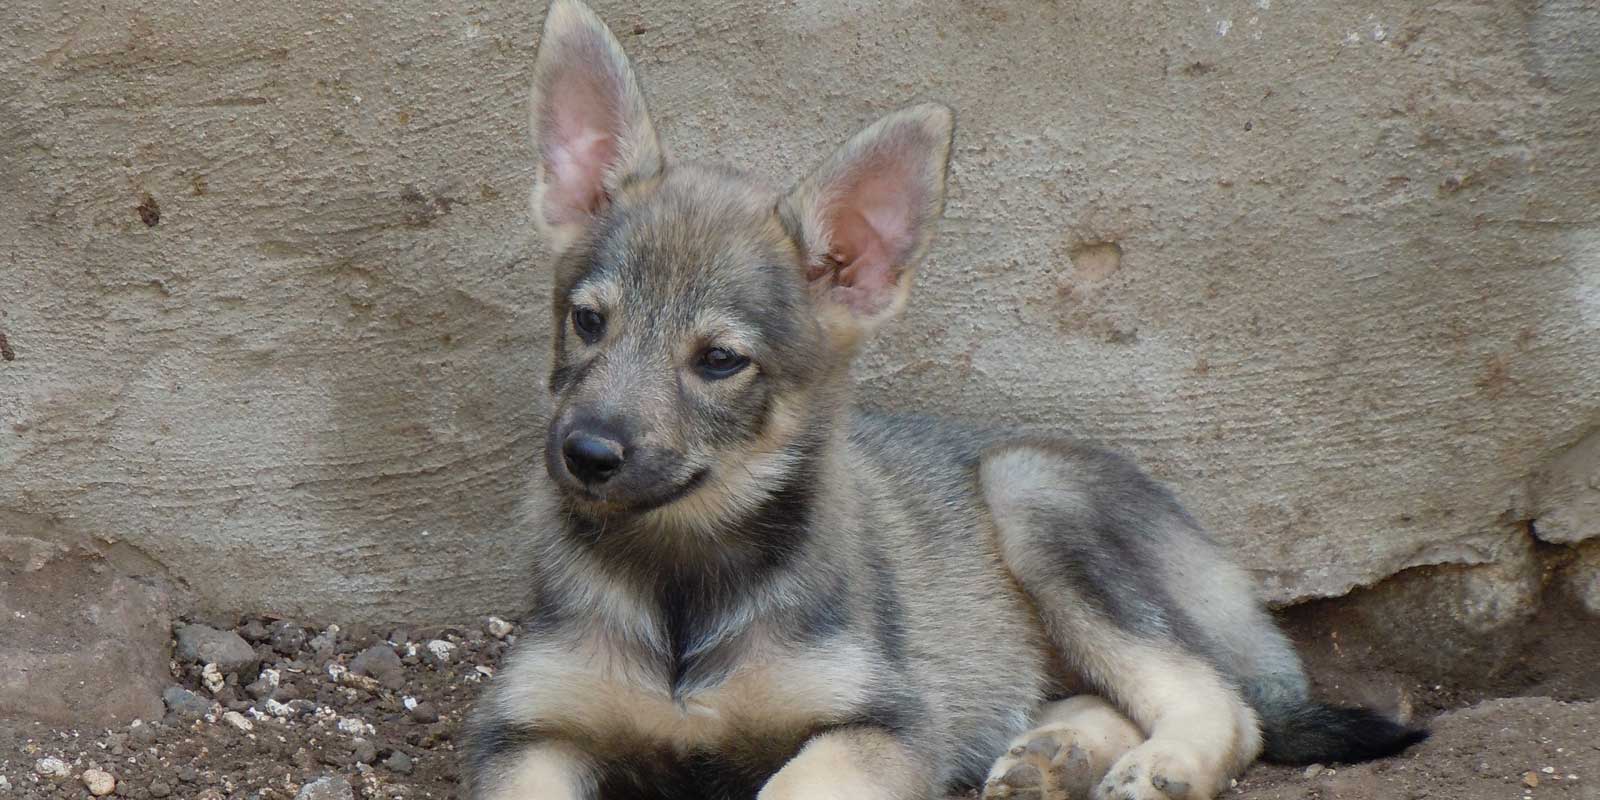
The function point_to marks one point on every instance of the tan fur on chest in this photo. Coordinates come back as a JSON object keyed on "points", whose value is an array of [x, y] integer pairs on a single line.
{"points": [[606, 693]]}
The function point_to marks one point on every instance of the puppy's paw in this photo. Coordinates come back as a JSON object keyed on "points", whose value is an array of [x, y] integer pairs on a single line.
{"points": [[1158, 770], [1051, 763]]}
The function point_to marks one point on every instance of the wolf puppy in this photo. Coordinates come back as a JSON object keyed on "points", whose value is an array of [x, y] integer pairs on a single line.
{"points": [[746, 589]]}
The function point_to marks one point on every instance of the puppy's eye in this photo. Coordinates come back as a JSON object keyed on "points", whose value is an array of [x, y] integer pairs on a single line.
{"points": [[589, 323], [717, 363]]}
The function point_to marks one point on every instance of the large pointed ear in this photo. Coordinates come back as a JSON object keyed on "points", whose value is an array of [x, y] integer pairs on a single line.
{"points": [[865, 217], [590, 127]]}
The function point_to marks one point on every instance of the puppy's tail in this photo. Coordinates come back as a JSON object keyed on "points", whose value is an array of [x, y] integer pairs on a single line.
{"points": [[1312, 732]]}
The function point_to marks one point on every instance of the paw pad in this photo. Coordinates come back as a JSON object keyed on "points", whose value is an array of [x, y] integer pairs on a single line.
{"points": [[1048, 766]]}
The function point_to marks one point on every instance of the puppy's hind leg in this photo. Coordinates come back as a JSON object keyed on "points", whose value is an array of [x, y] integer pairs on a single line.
{"points": [[1085, 535]]}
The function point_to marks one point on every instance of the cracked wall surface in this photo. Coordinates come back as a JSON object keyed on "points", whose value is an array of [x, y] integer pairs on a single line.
{"points": [[271, 308]]}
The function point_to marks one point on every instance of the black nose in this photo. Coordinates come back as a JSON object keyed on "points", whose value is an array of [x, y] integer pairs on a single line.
{"points": [[590, 458]]}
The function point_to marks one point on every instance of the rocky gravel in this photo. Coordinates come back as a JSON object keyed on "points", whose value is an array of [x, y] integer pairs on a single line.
{"points": [[271, 709]]}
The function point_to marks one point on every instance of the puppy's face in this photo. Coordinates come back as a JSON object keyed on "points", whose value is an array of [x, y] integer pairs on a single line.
{"points": [[698, 315], [684, 343]]}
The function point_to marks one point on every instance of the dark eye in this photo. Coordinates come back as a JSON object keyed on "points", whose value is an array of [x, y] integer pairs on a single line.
{"points": [[589, 324], [717, 363]]}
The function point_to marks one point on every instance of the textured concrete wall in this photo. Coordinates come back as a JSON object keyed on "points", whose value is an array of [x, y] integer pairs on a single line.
{"points": [[274, 312]]}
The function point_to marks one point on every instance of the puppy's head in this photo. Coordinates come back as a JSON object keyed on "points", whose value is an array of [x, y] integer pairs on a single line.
{"points": [[701, 318]]}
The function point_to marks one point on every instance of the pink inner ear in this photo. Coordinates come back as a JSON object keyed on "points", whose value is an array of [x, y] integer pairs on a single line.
{"points": [[870, 231], [580, 144]]}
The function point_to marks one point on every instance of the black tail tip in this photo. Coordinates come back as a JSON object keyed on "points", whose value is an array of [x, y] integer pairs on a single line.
{"points": [[1336, 735]]}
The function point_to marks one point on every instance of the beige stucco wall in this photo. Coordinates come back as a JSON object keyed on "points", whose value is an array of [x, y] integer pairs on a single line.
{"points": [[275, 311]]}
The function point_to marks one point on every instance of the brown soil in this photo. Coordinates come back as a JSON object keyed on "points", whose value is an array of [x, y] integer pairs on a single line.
{"points": [[1483, 747]]}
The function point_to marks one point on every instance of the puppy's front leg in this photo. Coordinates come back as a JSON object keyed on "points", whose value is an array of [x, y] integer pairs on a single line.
{"points": [[544, 771], [851, 764]]}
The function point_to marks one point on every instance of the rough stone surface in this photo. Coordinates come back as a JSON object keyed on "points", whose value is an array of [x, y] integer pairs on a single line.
{"points": [[270, 295], [83, 627], [1583, 578], [1567, 500]]}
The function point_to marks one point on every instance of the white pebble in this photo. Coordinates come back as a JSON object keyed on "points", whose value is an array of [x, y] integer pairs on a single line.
{"points": [[441, 649], [409, 702], [278, 709], [354, 726], [100, 782], [1548, 770], [336, 670], [50, 767], [237, 720], [212, 678], [498, 628]]}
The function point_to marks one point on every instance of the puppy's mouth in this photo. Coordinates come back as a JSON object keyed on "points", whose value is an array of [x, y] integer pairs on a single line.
{"points": [[609, 499]]}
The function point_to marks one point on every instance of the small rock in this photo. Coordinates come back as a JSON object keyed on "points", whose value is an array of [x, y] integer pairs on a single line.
{"points": [[330, 787], [361, 682], [380, 661], [398, 763], [364, 751], [237, 720], [1530, 779], [278, 709], [264, 686], [51, 767], [184, 704], [287, 638], [354, 726], [254, 631], [441, 650], [5, 783], [201, 644], [1313, 771], [425, 712], [497, 627], [146, 733], [326, 641], [99, 781], [160, 788]]}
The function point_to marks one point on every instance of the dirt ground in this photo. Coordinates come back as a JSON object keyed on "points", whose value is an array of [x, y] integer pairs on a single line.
{"points": [[356, 713]]}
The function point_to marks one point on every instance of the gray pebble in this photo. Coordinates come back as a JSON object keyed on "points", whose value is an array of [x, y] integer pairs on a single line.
{"points": [[398, 763], [202, 644], [148, 732], [287, 638], [330, 787], [425, 712], [254, 631], [379, 661], [183, 704]]}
